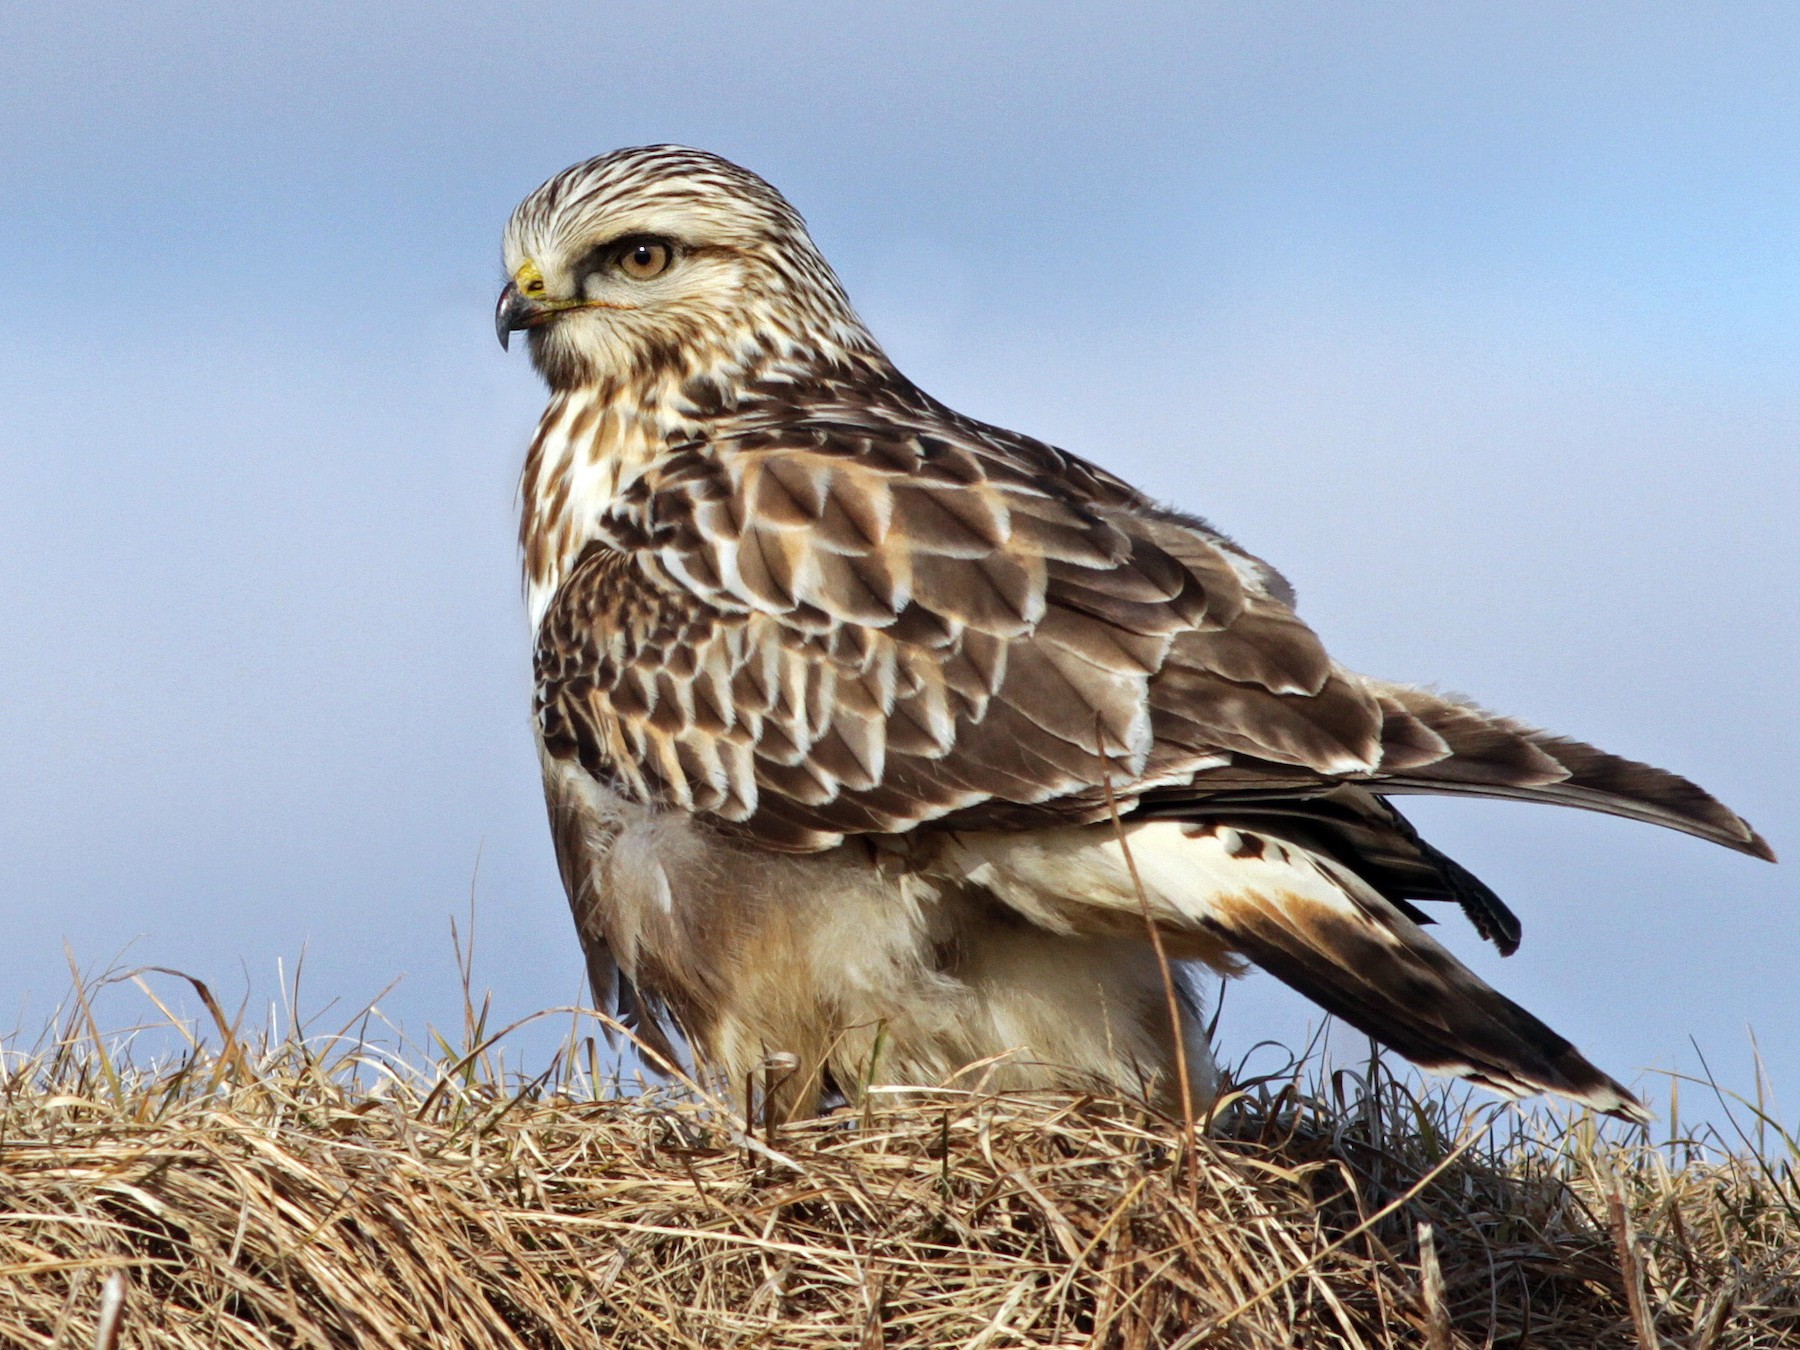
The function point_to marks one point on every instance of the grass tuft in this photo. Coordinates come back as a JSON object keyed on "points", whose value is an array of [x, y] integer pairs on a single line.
{"points": [[283, 1188]]}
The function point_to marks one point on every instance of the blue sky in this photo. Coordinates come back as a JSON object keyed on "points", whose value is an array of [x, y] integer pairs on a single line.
{"points": [[1481, 322]]}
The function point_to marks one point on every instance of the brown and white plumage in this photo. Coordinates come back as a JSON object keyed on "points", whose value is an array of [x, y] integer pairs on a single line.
{"points": [[858, 716]]}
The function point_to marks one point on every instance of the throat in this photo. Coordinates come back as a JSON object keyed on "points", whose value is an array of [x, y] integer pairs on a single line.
{"points": [[591, 444]]}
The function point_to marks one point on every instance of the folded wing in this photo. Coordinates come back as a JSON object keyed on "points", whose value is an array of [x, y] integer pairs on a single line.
{"points": [[827, 632]]}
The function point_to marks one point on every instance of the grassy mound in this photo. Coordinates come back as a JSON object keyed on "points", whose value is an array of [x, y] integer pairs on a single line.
{"points": [[298, 1191]]}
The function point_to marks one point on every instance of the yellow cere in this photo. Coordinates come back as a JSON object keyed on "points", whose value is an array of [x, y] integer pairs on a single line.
{"points": [[528, 278]]}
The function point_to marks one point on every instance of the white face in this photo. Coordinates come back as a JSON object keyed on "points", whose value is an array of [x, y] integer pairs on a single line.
{"points": [[661, 262], [624, 291]]}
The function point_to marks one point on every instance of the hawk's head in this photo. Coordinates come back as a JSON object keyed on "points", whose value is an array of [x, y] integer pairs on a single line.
{"points": [[661, 261]]}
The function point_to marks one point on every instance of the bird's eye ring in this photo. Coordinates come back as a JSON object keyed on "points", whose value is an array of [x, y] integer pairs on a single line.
{"points": [[641, 259]]}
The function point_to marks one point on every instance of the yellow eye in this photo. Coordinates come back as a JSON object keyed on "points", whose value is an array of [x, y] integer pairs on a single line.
{"points": [[644, 259]]}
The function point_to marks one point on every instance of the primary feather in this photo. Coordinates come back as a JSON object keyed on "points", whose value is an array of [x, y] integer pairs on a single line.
{"points": [[858, 715]]}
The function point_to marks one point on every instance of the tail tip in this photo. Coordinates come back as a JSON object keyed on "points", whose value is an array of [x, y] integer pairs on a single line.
{"points": [[1586, 1086], [1755, 845]]}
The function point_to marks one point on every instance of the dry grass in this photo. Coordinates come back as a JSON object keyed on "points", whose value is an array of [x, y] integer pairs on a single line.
{"points": [[300, 1191]]}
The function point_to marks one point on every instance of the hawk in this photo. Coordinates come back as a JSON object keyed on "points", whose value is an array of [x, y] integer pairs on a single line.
{"points": [[900, 743]]}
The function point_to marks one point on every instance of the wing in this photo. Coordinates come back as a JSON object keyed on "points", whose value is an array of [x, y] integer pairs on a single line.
{"points": [[829, 629], [858, 634]]}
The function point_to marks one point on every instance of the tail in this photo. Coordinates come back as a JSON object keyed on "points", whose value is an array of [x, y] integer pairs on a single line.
{"points": [[1435, 744], [1221, 892]]}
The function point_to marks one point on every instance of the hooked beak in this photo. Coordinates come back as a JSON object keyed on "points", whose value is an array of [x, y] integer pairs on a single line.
{"points": [[516, 310]]}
